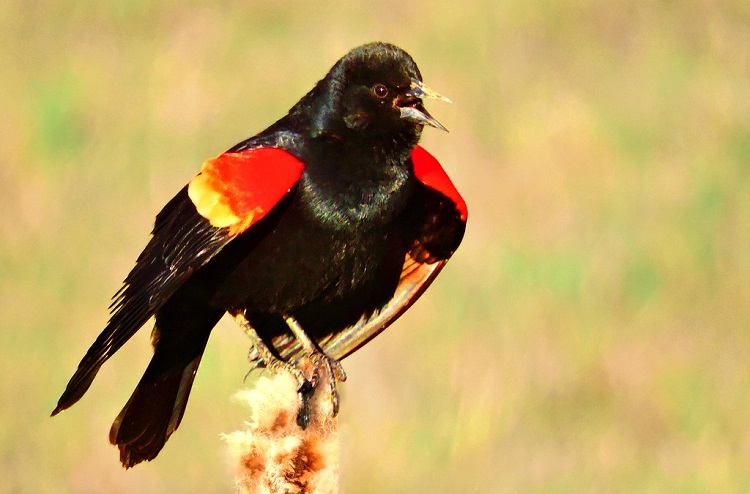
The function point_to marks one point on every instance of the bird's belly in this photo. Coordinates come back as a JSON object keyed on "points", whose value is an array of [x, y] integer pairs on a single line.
{"points": [[303, 266]]}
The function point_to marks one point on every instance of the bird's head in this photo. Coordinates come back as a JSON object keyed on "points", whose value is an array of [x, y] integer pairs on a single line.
{"points": [[374, 90]]}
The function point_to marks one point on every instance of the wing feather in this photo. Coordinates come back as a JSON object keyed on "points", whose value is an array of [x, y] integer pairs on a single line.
{"points": [[249, 183], [415, 278]]}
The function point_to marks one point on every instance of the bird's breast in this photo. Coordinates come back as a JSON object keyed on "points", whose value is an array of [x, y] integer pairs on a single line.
{"points": [[359, 201]]}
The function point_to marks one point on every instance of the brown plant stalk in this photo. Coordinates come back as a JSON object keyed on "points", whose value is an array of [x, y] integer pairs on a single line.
{"points": [[273, 454]]}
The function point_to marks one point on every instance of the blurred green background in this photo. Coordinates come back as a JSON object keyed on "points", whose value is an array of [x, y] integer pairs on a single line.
{"points": [[592, 334]]}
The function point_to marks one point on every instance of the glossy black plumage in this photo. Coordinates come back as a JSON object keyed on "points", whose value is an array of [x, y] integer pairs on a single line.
{"points": [[351, 244]]}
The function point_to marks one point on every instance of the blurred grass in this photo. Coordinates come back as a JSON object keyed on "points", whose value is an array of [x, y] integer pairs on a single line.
{"points": [[592, 333]]}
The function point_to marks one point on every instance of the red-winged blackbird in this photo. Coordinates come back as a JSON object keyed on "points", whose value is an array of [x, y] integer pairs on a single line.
{"points": [[315, 234]]}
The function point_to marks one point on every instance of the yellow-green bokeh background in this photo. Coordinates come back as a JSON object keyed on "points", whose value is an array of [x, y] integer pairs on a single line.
{"points": [[591, 335]]}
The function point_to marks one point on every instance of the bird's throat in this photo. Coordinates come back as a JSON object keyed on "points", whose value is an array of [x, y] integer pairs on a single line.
{"points": [[362, 186]]}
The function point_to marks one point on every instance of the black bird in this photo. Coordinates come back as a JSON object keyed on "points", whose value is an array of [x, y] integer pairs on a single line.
{"points": [[315, 235]]}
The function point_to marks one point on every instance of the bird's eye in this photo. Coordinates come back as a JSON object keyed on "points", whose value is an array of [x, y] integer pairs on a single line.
{"points": [[380, 90]]}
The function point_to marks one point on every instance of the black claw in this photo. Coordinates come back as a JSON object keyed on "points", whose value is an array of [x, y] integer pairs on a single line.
{"points": [[305, 409], [305, 391], [306, 388]]}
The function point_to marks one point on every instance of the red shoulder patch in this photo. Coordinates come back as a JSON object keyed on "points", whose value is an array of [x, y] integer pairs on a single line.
{"points": [[428, 170], [235, 190]]}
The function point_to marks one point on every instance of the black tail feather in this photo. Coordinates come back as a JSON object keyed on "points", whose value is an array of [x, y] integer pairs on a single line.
{"points": [[152, 413], [157, 405]]}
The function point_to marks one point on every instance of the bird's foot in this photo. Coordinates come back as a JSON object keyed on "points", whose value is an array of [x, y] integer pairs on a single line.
{"points": [[270, 361], [321, 364], [316, 364], [333, 373]]}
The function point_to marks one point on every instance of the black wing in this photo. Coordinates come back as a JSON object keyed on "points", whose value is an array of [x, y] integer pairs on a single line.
{"points": [[261, 169], [182, 241]]}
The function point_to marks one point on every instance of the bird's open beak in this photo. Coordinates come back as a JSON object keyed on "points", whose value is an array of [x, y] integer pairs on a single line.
{"points": [[412, 109], [419, 90]]}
